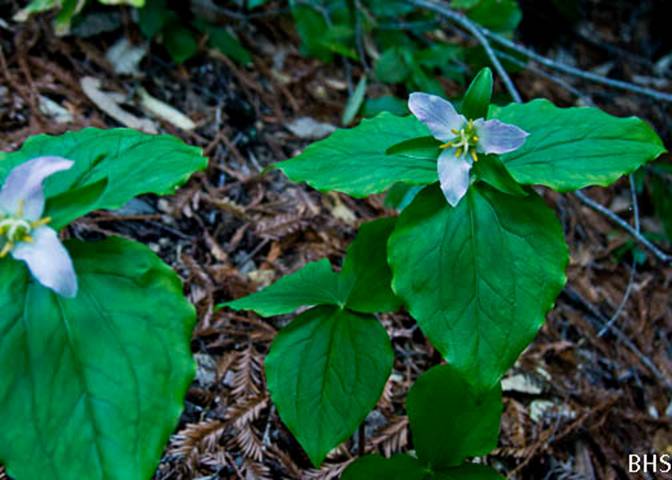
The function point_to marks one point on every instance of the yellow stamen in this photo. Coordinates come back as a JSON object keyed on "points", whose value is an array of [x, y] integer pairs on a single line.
{"points": [[446, 145], [41, 222], [27, 239], [6, 249], [473, 155]]}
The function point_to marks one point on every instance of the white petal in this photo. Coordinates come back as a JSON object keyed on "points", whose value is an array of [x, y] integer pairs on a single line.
{"points": [[499, 137], [438, 114], [454, 175], [24, 184], [48, 261]]}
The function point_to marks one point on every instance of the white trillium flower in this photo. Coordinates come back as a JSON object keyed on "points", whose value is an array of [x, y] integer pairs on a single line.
{"points": [[24, 232], [462, 140]]}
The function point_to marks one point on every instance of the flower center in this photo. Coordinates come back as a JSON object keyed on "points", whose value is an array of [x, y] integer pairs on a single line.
{"points": [[15, 230], [465, 141]]}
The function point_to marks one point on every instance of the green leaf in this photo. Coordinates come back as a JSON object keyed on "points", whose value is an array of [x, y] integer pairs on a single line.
{"points": [[153, 17], [497, 15], [180, 42], [366, 275], [133, 163], [309, 25], [92, 387], [391, 67], [354, 103], [465, 425], [226, 43], [401, 195], [314, 284], [73, 203], [375, 467], [477, 99], [492, 171], [325, 372], [389, 8], [572, 148], [479, 278], [423, 148], [354, 161]]}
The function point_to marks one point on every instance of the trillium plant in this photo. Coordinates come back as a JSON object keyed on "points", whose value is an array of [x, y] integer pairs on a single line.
{"points": [[475, 256], [95, 336]]}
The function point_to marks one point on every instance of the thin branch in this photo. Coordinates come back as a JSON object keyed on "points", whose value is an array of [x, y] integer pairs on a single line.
{"points": [[482, 34], [476, 31], [662, 256], [547, 62], [600, 321], [633, 264], [585, 99]]}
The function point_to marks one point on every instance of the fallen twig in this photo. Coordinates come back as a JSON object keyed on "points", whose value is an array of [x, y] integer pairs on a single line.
{"points": [[586, 200], [633, 264], [482, 34]]}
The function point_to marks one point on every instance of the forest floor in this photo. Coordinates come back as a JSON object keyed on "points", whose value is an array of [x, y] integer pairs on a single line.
{"points": [[578, 400]]}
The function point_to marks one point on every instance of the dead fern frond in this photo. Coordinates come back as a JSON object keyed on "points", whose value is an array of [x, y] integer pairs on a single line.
{"points": [[196, 438], [284, 459], [257, 471], [328, 471], [279, 226], [393, 437], [247, 411], [247, 378], [250, 443]]}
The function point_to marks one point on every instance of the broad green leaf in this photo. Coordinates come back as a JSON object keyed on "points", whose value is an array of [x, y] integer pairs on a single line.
{"points": [[354, 161], [354, 103], [468, 471], [366, 275], [477, 99], [479, 278], [397, 467], [73, 203], [423, 148], [325, 372], [401, 195], [572, 148], [314, 284], [133, 163], [92, 387], [492, 171], [449, 420]]}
